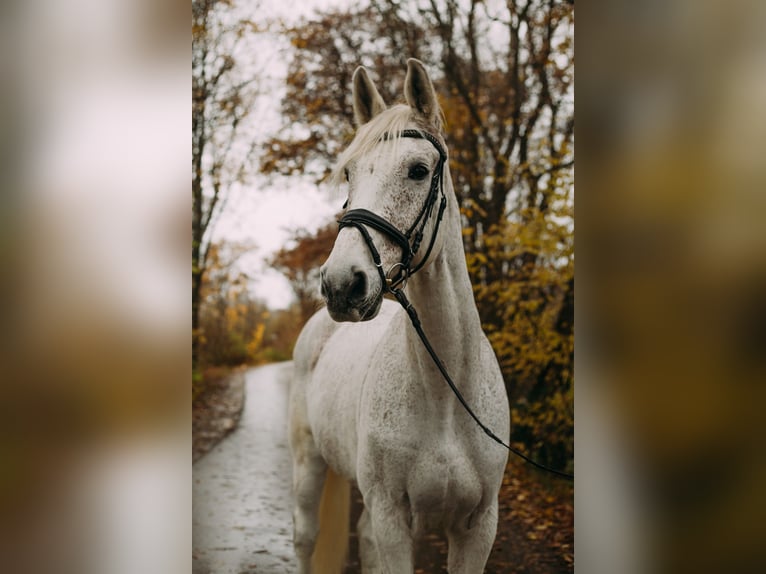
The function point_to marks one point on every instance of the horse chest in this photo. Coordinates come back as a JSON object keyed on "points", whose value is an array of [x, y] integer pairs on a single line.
{"points": [[436, 480], [442, 482]]}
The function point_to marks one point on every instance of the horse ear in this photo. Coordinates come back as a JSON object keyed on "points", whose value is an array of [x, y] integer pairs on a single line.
{"points": [[419, 91], [367, 101]]}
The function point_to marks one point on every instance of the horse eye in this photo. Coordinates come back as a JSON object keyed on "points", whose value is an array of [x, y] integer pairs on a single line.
{"points": [[345, 172], [418, 172]]}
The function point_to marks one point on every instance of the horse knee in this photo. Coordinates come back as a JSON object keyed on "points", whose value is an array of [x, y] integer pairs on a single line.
{"points": [[470, 543], [304, 542], [368, 551], [305, 530], [306, 496]]}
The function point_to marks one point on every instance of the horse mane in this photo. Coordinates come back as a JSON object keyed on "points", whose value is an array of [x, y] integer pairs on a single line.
{"points": [[387, 125]]}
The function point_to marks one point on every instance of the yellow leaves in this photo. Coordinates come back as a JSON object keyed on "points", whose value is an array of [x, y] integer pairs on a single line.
{"points": [[232, 316], [254, 346], [298, 42], [523, 280]]}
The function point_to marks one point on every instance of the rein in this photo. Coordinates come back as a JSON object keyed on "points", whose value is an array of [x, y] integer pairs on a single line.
{"points": [[394, 281]]}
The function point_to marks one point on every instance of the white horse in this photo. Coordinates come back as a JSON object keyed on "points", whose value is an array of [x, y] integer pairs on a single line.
{"points": [[367, 403]]}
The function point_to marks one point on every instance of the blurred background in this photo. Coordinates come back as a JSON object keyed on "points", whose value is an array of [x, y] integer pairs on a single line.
{"points": [[670, 309]]}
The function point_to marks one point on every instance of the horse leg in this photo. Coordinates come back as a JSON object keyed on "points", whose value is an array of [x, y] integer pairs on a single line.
{"points": [[309, 471], [393, 539], [470, 544], [367, 549]]}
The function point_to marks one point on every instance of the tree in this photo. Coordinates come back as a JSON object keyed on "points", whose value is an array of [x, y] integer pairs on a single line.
{"points": [[532, 334], [317, 108], [232, 322], [223, 95], [508, 105], [236, 327], [300, 265]]}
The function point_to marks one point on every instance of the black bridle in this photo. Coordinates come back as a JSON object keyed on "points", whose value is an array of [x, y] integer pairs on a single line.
{"points": [[410, 244], [410, 240]]}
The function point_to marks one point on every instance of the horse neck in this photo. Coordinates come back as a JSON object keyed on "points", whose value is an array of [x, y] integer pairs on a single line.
{"points": [[442, 295]]}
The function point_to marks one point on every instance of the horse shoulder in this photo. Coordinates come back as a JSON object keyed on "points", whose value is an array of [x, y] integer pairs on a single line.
{"points": [[306, 353], [493, 408]]}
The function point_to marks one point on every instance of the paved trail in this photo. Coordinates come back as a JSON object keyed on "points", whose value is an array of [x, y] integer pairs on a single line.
{"points": [[242, 515]]}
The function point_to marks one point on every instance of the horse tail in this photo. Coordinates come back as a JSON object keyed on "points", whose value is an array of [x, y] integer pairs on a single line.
{"points": [[331, 547]]}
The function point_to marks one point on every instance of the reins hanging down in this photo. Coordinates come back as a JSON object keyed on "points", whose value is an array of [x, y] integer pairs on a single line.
{"points": [[412, 314], [393, 283]]}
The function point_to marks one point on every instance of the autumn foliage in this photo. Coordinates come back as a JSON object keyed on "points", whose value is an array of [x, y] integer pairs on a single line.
{"points": [[300, 260], [235, 327]]}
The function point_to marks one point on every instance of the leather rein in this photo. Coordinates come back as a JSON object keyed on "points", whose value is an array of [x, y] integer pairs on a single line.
{"points": [[396, 278]]}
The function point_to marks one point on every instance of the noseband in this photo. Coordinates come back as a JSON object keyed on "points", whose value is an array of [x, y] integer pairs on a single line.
{"points": [[410, 240]]}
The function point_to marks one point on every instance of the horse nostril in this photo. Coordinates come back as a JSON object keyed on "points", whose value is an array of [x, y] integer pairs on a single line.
{"points": [[358, 287]]}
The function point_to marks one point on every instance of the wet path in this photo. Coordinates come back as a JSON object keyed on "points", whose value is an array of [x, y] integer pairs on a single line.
{"points": [[242, 517]]}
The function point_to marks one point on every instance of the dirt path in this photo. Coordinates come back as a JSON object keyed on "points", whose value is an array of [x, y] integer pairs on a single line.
{"points": [[242, 518]]}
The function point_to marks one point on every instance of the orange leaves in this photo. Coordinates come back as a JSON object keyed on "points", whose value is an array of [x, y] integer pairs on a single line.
{"points": [[300, 265], [535, 531], [299, 42]]}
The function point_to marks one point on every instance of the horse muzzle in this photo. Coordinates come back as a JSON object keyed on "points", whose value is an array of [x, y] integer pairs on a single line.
{"points": [[350, 293]]}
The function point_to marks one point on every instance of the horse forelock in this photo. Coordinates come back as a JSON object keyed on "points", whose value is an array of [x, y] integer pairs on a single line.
{"points": [[387, 125]]}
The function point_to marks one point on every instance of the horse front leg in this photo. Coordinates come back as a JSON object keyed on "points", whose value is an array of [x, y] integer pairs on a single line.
{"points": [[471, 542], [368, 551], [390, 522]]}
